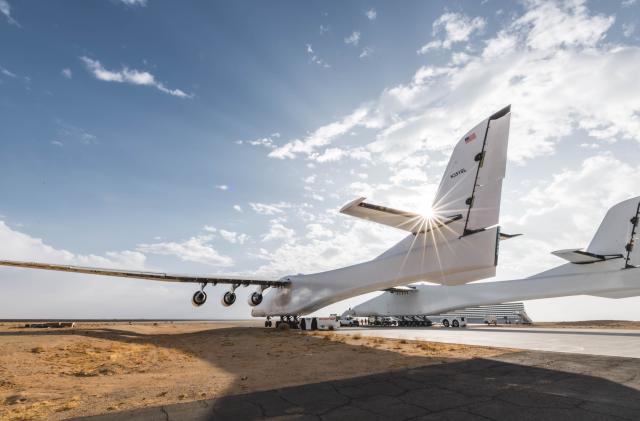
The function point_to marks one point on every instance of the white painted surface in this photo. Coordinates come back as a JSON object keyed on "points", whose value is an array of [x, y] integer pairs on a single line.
{"points": [[610, 342]]}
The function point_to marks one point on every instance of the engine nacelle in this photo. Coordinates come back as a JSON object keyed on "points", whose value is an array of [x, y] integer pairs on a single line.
{"points": [[255, 299], [228, 298], [199, 298]]}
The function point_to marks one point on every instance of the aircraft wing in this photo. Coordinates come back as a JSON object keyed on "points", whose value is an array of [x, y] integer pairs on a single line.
{"points": [[407, 221], [154, 276]]}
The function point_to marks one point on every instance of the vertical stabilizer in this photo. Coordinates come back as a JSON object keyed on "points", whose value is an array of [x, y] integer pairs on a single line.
{"points": [[472, 183], [618, 233]]}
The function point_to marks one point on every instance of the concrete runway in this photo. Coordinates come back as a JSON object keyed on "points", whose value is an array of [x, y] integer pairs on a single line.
{"points": [[607, 342]]}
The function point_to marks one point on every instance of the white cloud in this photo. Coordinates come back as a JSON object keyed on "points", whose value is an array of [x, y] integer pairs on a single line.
{"points": [[371, 14], [196, 249], [5, 9], [237, 208], [270, 209], [315, 59], [141, 3], [629, 3], [131, 76], [57, 143], [278, 231], [222, 187], [15, 245], [7, 72], [320, 137], [456, 27], [353, 39], [323, 29], [366, 52], [233, 237], [521, 65], [67, 73], [266, 142]]}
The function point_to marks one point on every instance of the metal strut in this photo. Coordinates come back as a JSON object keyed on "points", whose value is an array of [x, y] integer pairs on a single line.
{"points": [[631, 243]]}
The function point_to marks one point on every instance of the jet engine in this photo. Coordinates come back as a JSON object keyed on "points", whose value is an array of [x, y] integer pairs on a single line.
{"points": [[255, 299], [199, 298], [228, 298]]}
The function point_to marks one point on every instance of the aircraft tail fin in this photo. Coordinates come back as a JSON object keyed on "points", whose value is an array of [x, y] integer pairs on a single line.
{"points": [[616, 238], [472, 183], [619, 231]]}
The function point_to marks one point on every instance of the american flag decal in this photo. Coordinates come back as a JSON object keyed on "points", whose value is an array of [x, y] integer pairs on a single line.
{"points": [[470, 138]]}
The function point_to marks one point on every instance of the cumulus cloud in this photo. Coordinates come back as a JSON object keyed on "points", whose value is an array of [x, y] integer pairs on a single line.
{"points": [[222, 187], [277, 231], [371, 14], [195, 249], [525, 63], [233, 237], [353, 39], [456, 27], [67, 73], [237, 208], [130, 76]]}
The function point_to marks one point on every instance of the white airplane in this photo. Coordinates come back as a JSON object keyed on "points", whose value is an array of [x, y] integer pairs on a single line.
{"points": [[457, 244], [610, 267]]}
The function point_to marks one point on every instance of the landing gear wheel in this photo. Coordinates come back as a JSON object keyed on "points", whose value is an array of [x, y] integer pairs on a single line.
{"points": [[445, 323], [455, 323], [229, 298], [199, 298]]}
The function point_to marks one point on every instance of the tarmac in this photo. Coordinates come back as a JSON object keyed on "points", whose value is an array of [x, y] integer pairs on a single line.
{"points": [[526, 385], [609, 342]]}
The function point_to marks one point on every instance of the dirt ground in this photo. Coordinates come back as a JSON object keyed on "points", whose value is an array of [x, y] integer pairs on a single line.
{"points": [[95, 368]]}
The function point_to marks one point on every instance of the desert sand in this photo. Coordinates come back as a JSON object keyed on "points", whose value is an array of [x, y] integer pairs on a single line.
{"points": [[95, 368]]}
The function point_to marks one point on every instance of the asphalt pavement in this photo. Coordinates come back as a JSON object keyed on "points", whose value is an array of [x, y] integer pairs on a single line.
{"points": [[519, 386]]}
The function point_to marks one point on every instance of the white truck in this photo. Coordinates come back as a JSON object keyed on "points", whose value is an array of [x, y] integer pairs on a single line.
{"points": [[319, 323], [453, 321]]}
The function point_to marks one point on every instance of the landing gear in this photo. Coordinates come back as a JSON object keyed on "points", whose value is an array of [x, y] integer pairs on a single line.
{"points": [[455, 323], [290, 320], [445, 323], [267, 323]]}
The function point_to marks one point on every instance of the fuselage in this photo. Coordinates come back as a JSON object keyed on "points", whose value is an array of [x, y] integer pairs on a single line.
{"points": [[604, 279], [458, 261]]}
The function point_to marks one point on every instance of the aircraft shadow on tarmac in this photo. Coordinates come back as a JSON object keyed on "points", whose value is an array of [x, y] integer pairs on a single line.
{"points": [[519, 385]]}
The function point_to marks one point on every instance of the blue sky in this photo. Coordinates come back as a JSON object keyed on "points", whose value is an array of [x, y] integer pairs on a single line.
{"points": [[221, 137]]}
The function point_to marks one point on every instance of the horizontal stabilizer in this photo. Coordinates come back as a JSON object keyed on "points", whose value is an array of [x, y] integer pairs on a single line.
{"points": [[406, 221], [580, 256], [505, 236]]}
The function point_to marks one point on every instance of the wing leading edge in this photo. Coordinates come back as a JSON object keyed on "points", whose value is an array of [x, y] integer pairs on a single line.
{"points": [[154, 276]]}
